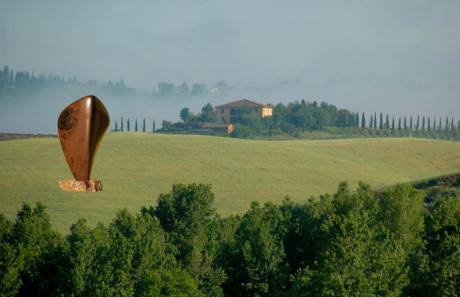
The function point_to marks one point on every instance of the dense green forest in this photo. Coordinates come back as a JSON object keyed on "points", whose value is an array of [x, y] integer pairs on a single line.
{"points": [[399, 241]]}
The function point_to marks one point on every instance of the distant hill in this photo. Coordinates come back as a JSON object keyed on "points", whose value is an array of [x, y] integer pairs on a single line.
{"points": [[136, 167], [10, 136]]}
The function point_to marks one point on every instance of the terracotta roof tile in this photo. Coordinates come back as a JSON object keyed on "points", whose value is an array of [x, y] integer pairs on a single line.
{"points": [[242, 103]]}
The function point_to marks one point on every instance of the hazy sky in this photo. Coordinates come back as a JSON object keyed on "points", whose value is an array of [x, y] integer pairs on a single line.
{"points": [[351, 53]]}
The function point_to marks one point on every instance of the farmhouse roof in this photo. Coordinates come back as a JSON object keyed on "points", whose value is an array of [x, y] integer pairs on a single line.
{"points": [[242, 103]]}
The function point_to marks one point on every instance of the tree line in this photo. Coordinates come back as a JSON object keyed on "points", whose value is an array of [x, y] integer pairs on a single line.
{"points": [[133, 126], [20, 82], [419, 123], [190, 120], [25, 82], [296, 117], [165, 89], [310, 116], [393, 242]]}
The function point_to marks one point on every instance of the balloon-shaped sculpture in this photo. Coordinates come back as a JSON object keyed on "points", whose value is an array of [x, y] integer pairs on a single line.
{"points": [[81, 126]]}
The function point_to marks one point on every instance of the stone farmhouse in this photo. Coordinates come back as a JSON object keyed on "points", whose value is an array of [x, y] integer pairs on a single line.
{"points": [[228, 113]]}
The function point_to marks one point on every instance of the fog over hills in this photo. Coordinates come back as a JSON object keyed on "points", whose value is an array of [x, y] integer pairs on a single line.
{"points": [[401, 57]]}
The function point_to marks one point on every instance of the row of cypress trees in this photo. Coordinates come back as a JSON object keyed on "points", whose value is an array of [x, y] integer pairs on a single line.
{"points": [[404, 123], [410, 123], [141, 127]]}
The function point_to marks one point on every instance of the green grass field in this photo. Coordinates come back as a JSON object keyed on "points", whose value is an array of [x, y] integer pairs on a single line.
{"points": [[136, 167]]}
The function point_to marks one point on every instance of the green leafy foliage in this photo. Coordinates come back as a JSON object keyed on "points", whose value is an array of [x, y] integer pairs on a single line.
{"points": [[310, 120], [187, 215], [358, 253], [257, 266], [175, 283], [438, 271], [11, 263], [352, 243]]}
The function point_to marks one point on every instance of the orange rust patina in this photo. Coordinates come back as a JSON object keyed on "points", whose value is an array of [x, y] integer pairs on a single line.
{"points": [[81, 126]]}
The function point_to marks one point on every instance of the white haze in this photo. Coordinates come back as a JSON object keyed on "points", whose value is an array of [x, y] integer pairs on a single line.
{"points": [[400, 57]]}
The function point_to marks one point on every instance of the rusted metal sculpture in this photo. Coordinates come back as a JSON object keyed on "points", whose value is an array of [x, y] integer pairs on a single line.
{"points": [[81, 126]]}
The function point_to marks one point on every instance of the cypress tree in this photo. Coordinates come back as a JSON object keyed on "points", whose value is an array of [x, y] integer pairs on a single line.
{"points": [[410, 123], [405, 123], [429, 124], [116, 126], [381, 121], [446, 127], [363, 121], [392, 123], [143, 125], [452, 127], [417, 126], [128, 128], [423, 123], [434, 124], [375, 120], [153, 126], [399, 123], [440, 125], [135, 126], [371, 123], [121, 125], [387, 122]]}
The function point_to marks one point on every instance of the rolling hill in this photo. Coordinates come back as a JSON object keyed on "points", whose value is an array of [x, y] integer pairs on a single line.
{"points": [[136, 167]]}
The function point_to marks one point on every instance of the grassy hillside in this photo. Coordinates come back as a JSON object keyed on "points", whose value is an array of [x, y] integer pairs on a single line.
{"points": [[135, 168]]}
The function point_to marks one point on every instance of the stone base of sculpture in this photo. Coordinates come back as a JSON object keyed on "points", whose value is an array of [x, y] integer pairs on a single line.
{"points": [[81, 186]]}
